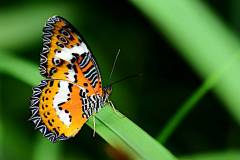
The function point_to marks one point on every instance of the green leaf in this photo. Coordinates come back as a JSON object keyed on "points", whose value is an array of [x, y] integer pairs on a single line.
{"points": [[203, 40], [191, 102], [123, 134], [206, 44], [116, 129]]}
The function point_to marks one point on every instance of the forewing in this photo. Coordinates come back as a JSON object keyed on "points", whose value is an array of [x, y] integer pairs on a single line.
{"points": [[66, 56], [57, 109]]}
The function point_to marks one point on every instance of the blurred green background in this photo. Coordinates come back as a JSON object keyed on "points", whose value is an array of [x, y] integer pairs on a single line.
{"points": [[183, 49]]}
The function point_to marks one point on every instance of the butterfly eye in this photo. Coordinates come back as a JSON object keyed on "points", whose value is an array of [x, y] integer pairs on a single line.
{"points": [[57, 61]]}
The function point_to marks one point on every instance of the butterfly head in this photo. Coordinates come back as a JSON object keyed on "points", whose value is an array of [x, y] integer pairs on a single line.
{"points": [[107, 90]]}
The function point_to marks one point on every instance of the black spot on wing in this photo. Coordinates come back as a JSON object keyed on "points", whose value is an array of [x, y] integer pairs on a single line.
{"points": [[61, 103], [69, 66], [70, 85], [75, 68], [52, 71]]}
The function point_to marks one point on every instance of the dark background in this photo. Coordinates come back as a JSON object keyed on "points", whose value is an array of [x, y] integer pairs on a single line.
{"points": [[149, 100]]}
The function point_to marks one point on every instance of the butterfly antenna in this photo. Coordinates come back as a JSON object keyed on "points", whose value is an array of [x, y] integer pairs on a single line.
{"points": [[126, 78], [114, 64]]}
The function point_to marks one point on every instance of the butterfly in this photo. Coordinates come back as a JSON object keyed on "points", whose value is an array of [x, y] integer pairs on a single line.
{"points": [[72, 90]]}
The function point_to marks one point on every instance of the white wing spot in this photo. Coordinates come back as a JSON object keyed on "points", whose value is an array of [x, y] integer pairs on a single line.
{"points": [[66, 53], [61, 97], [64, 117], [71, 75]]}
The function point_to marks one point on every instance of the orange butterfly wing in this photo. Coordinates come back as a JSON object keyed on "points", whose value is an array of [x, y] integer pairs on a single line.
{"points": [[54, 116], [61, 105], [66, 56]]}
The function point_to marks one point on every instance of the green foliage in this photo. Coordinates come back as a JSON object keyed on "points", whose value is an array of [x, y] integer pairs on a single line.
{"points": [[123, 134], [203, 41]]}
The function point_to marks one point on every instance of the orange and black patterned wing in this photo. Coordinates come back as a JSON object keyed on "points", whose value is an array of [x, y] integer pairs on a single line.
{"points": [[59, 109], [66, 56]]}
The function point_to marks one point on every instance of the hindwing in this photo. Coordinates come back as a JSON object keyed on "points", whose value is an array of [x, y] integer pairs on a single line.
{"points": [[58, 109]]}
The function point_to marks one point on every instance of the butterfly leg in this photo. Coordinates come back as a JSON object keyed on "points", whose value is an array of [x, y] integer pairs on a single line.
{"points": [[118, 113], [94, 125], [111, 104]]}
